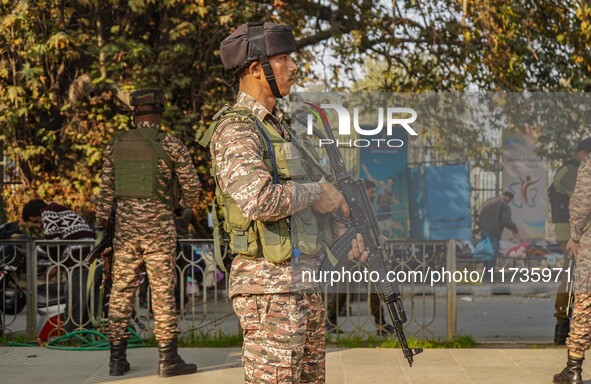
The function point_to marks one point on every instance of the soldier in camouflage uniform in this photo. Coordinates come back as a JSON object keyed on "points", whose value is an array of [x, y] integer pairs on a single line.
{"points": [[139, 172], [560, 192], [578, 340], [283, 329]]}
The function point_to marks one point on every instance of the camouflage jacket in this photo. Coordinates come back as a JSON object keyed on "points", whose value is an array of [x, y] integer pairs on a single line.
{"points": [[580, 201], [237, 150], [183, 167]]}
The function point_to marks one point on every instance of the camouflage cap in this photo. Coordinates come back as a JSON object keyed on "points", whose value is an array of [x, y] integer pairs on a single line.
{"points": [[234, 49]]}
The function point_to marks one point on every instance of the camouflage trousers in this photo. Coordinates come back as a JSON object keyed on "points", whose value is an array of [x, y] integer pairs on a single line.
{"points": [[578, 340], [283, 337], [157, 252]]}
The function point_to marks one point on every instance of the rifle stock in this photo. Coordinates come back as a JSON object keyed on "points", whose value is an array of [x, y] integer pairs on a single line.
{"points": [[363, 221]]}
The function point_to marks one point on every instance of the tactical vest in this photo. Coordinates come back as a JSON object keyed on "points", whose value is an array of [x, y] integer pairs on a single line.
{"points": [[303, 234], [136, 154]]}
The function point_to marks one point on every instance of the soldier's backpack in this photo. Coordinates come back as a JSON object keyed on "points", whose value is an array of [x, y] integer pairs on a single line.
{"points": [[135, 156]]}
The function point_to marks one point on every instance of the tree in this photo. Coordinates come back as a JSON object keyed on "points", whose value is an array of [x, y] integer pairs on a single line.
{"points": [[66, 66]]}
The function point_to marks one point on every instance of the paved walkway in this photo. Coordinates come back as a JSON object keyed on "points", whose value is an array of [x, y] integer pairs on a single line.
{"points": [[350, 366]]}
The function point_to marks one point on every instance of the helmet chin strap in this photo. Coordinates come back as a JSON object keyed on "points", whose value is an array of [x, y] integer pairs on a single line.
{"points": [[257, 51]]}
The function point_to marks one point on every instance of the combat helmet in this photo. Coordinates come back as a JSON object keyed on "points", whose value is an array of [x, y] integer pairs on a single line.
{"points": [[255, 41], [147, 101]]}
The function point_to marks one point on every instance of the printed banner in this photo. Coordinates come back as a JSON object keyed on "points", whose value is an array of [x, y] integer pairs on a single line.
{"points": [[525, 175], [440, 202], [386, 167]]}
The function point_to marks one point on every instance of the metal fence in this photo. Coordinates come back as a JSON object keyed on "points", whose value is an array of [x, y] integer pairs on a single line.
{"points": [[55, 279]]}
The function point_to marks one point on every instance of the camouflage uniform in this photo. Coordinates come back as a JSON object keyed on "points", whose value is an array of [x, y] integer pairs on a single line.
{"points": [[145, 234], [580, 210], [283, 330]]}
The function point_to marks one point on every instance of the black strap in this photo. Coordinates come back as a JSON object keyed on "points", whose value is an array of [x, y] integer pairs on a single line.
{"points": [[256, 41], [269, 148], [273, 165]]}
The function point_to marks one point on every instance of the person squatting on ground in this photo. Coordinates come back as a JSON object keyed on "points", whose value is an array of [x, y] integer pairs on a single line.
{"points": [[283, 328], [494, 216], [578, 340], [58, 222], [140, 172], [559, 195]]}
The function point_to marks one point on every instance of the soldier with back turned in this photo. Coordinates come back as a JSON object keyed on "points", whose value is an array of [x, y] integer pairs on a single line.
{"points": [[147, 173]]}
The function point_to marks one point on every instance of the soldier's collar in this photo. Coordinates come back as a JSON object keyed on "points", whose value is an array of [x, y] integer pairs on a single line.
{"points": [[257, 108], [147, 124]]}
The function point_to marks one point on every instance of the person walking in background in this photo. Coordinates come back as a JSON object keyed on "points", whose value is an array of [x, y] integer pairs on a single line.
{"points": [[147, 173], [494, 217], [559, 195]]}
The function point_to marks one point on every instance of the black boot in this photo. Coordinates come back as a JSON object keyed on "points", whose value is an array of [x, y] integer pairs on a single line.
{"points": [[118, 363], [561, 331], [170, 363], [572, 373]]}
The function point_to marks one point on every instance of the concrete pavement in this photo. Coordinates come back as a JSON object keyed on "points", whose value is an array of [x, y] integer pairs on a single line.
{"points": [[351, 366]]}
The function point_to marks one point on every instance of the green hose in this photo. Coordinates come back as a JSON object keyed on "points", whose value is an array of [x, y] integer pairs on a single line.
{"points": [[89, 340], [83, 340]]}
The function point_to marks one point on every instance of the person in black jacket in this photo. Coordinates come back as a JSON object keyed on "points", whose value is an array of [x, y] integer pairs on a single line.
{"points": [[494, 217]]}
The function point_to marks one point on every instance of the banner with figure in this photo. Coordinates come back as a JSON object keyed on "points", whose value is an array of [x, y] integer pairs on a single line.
{"points": [[525, 175], [386, 167]]}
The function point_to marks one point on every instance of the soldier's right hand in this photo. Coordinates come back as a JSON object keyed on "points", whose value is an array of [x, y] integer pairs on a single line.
{"points": [[574, 248], [331, 200]]}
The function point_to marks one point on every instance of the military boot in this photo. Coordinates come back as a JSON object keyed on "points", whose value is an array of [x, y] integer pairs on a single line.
{"points": [[561, 331], [572, 373], [170, 363], [118, 363]]}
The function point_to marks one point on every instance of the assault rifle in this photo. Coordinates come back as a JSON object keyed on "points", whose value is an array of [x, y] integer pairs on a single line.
{"points": [[570, 289], [104, 250], [363, 221]]}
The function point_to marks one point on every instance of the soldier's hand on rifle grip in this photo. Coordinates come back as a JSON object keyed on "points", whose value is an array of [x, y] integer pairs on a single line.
{"points": [[358, 251], [574, 248], [331, 200]]}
